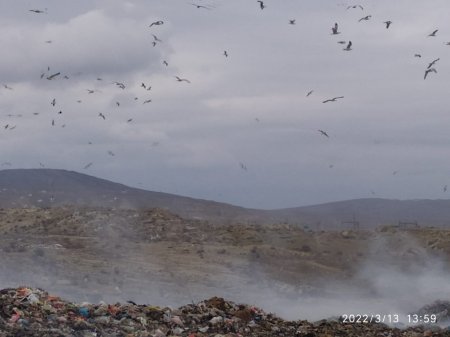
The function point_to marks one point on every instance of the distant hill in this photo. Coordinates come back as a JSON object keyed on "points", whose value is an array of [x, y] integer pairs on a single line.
{"points": [[52, 187]]}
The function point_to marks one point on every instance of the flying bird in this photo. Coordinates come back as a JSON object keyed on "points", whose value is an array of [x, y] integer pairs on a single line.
{"points": [[342, 42], [157, 23], [332, 99], [354, 6], [53, 102], [349, 46], [225, 53], [156, 38], [7, 87], [51, 77], [147, 101], [200, 6], [182, 79], [101, 115], [130, 120], [309, 93], [165, 63], [366, 18], [292, 22], [388, 23], [434, 33], [417, 55], [429, 71], [432, 63], [261, 4], [243, 166], [88, 165], [323, 133], [38, 11], [335, 29], [120, 85], [111, 153], [445, 188]]}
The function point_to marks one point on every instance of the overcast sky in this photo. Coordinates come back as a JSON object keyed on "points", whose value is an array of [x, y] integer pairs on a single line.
{"points": [[243, 131]]}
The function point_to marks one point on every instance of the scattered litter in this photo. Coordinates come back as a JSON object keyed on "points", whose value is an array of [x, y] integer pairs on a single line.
{"points": [[33, 312]]}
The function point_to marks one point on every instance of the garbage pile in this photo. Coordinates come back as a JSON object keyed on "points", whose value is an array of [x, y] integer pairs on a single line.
{"points": [[439, 308], [33, 312]]}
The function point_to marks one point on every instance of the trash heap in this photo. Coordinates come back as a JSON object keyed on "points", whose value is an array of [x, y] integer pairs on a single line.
{"points": [[439, 308], [33, 312]]}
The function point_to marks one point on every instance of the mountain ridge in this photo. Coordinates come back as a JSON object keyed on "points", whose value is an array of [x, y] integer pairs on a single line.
{"points": [[55, 187]]}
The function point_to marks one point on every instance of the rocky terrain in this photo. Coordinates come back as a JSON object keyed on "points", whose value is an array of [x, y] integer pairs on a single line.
{"points": [[153, 256]]}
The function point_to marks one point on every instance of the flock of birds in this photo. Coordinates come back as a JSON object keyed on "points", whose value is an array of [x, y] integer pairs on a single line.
{"points": [[348, 47]]}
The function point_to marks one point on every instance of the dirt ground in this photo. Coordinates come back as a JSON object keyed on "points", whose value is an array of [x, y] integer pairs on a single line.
{"points": [[116, 255]]}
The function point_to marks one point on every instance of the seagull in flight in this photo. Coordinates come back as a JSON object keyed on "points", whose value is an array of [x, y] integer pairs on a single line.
{"points": [[354, 6], [147, 101], [243, 166], [335, 29], [332, 99], [261, 4], [101, 115], [429, 71], [182, 79], [225, 53], [309, 93], [51, 77], [165, 63], [388, 23], [88, 165], [200, 6], [157, 23], [111, 153], [366, 18], [349, 46], [417, 55], [156, 38], [323, 133], [38, 11], [7, 87], [120, 85], [292, 22], [432, 63], [53, 102], [433, 33]]}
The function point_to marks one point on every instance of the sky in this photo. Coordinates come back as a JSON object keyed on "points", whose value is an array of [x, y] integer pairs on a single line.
{"points": [[243, 131]]}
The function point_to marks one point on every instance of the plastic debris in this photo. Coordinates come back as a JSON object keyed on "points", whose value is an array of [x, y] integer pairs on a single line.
{"points": [[33, 312]]}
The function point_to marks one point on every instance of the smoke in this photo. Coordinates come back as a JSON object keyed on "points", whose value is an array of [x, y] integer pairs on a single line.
{"points": [[156, 258], [398, 276]]}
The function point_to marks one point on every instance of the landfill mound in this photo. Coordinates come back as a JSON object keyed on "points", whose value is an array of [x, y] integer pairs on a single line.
{"points": [[439, 308], [33, 312]]}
